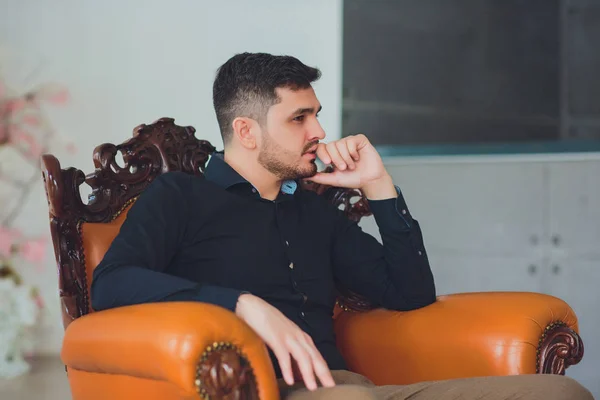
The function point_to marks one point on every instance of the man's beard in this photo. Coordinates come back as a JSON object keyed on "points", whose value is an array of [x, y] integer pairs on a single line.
{"points": [[283, 163]]}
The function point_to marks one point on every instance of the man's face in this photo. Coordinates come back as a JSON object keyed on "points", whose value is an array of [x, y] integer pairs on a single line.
{"points": [[290, 135]]}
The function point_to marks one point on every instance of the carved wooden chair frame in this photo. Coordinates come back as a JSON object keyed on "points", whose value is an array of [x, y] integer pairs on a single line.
{"points": [[162, 147]]}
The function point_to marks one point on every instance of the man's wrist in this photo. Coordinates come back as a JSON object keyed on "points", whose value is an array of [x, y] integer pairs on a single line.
{"points": [[380, 189]]}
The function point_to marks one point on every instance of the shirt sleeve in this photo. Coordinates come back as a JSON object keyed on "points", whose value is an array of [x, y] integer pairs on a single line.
{"points": [[394, 275], [133, 269]]}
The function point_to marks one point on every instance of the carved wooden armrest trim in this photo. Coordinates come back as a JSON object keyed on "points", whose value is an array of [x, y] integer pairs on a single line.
{"points": [[223, 372], [351, 302], [559, 347]]}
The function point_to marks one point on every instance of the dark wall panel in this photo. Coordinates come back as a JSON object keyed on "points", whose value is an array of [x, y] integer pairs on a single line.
{"points": [[451, 71]]}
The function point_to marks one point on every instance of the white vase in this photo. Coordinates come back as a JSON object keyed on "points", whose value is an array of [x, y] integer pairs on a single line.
{"points": [[18, 312], [12, 363]]}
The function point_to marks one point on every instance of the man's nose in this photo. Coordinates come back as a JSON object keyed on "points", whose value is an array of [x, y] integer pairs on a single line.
{"points": [[316, 132]]}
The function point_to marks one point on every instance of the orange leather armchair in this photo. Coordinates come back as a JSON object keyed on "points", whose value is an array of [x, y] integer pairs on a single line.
{"points": [[184, 350]]}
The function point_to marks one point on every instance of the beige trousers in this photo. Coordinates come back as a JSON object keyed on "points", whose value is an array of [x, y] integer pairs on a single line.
{"points": [[351, 386]]}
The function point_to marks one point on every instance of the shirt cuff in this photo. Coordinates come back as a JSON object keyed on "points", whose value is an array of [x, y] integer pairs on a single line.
{"points": [[217, 295], [392, 213]]}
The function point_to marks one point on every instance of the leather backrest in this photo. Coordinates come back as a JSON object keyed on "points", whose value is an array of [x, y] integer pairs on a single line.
{"points": [[96, 239]]}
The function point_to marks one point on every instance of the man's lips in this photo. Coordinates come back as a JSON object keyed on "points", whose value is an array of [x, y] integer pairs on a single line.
{"points": [[311, 150]]}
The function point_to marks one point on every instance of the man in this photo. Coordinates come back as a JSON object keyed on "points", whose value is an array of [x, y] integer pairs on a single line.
{"points": [[248, 238]]}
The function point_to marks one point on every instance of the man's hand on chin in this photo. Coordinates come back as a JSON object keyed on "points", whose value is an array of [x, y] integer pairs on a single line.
{"points": [[357, 166]]}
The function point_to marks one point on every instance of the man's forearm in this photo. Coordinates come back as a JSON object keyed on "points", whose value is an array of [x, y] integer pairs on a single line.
{"points": [[380, 189], [122, 285], [412, 285]]}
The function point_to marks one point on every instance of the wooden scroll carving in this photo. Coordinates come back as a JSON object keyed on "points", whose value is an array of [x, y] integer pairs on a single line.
{"points": [[225, 374], [559, 348]]}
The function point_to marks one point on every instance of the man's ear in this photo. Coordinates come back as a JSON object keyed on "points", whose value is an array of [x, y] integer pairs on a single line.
{"points": [[244, 130]]}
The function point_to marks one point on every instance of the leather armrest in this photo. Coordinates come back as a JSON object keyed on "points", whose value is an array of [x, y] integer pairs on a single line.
{"points": [[461, 335], [163, 341]]}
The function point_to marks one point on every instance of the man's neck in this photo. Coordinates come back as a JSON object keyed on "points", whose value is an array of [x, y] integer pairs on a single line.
{"points": [[267, 184]]}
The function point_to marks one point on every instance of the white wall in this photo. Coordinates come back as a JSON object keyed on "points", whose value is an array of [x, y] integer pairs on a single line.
{"points": [[131, 62]]}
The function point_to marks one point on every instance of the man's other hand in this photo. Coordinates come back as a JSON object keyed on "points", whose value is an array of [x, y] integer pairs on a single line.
{"points": [[285, 339]]}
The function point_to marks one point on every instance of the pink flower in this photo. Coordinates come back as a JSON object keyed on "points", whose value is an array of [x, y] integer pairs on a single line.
{"points": [[60, 97], [39, 301], [15, 105], [8, 238], [31, 120], [32, 147], [3, 134], [71, 148], [52, 93], [34, 250]]}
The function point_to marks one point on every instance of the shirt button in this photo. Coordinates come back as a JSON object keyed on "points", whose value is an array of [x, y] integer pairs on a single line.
{"points": [[302, 314], [253, 190], [291, 265], [287, 243], [404, 212], [420, 252]]}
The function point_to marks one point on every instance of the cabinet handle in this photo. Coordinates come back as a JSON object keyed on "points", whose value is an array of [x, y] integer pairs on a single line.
{"points": [[556, 240], [556, 269], [534, 240], [532, 269]]}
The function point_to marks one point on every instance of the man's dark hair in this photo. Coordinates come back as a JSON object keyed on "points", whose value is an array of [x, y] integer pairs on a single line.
{"points": [[245, 86]]}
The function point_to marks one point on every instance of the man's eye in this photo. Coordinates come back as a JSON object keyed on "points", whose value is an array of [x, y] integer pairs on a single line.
{"points": [[299, 118]]}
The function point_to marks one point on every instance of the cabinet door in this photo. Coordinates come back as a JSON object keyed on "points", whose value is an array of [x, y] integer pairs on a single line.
{"points": [[575, 280], [459, 272], [482, 222], [573, 271], [475, 273], [574, 212], [475, 208]]}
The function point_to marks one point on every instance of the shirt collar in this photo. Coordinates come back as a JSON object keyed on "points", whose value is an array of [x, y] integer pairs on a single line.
{"points": [[221, 173]]}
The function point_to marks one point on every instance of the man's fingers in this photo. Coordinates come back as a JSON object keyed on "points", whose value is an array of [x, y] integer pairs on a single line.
{"points": [[342, 147], [323, 154], [324, 178], [353, 149], [342, 153], [304, 362], [324, 374], [319, 365], [284, 364], [336, 158]]}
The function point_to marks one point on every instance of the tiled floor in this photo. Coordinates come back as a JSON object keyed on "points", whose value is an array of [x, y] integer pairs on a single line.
{"points": [[46, 381]]}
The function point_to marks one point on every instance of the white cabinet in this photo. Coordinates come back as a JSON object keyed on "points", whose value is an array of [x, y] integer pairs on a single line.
{"points": [[574, 207], [482, 222], [454, 201], [576, 280], [573, 255], [513, 223], [484, 273]]}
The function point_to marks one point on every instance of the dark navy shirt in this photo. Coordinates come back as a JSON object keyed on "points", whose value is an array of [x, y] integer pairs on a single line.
{"points": [[210, 238]]}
